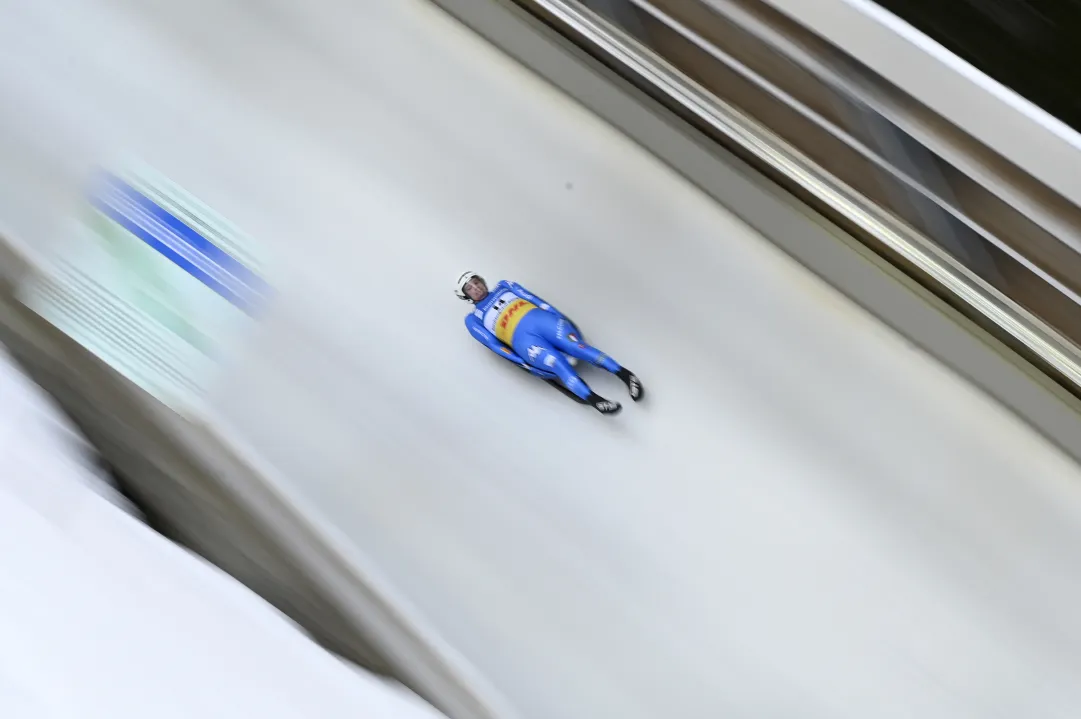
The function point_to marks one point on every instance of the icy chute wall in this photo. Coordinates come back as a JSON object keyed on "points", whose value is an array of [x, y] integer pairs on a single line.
{"points": [[809, 516], [89, 594]]}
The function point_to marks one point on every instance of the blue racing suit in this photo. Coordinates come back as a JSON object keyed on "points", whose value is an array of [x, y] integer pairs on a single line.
{"points": [[521, 327]]}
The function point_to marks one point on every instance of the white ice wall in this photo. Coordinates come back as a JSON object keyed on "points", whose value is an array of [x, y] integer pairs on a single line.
{"points": [[809, 517], [102, 617]]}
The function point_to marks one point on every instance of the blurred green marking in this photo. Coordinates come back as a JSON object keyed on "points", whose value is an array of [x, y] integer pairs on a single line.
{"points": [[151, 292]]}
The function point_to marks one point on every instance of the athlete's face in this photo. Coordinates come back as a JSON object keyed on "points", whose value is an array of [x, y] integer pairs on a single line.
{"points": [[476, 290]]}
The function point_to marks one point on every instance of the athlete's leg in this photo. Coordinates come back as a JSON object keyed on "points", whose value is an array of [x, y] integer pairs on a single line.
{"points": [[563, 336], [532, 344], [555, 362], [566, 340], [538, 352], [588, 353]]}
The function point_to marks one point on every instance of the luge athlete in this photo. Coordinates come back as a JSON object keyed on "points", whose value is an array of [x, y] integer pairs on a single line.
{"points": [[521, 327]]}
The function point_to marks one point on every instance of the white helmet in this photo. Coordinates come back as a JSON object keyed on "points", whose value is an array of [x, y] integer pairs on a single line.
{"points": [[464, 279]]}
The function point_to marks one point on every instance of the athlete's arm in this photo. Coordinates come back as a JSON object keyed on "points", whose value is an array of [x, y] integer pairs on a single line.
{"points": [[530, 297], [486, 338]]}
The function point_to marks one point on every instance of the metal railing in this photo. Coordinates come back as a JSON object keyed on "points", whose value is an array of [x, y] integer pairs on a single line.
{"points": [[1007, 227]]}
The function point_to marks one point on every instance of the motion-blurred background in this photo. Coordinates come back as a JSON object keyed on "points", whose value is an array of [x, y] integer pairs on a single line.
{"points": [[251, 461]]}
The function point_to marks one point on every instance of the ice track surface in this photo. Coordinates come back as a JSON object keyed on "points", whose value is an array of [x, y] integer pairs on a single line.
{"points": [[807, 518]]}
